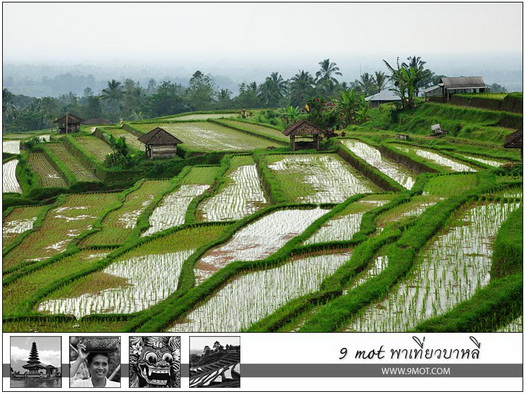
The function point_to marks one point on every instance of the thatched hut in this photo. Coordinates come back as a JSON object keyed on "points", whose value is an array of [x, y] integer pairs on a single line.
{"points": [[307, 132], [160, 144], [68, 123]]}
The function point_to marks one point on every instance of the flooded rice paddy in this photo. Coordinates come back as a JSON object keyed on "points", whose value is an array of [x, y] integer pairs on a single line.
{"points": [[399, 173], [454, 265], [257, 240], [231, 310]]}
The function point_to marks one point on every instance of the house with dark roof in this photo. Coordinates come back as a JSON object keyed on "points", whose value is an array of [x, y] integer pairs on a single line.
{"points": [[307, 132], [449, 86], [383, 97], [160, 144], [68, 123]]}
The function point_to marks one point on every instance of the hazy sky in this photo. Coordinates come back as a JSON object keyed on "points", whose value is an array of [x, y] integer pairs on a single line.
{"points": [[145, 33]]}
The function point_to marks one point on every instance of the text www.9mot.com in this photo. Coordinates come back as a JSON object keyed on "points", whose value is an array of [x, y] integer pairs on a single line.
{"points": [[421, 371]]}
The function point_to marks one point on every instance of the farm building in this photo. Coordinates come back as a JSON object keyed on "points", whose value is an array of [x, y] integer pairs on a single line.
{"points": [[383, 97], [515, 140], [69, 123], [452, 85], [304, 130], [160, 144]]}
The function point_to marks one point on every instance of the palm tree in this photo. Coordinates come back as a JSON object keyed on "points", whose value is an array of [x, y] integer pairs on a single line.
{"points": [[112, 95], [406, 78], [380, 79], [415, 63], [301, 88], [367, 84], [273, 90], [324, 78]]}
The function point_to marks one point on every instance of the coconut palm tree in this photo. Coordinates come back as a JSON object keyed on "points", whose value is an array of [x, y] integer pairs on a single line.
{"points": [[324, 78], [418, 65], [273, 90], [380, 80], [301, 88], [112, 95], [367, 84]]}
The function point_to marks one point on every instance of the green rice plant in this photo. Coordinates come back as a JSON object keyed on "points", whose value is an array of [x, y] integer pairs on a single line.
{"points": [[450, 184], [207, 137], [98, 148], [239, 195], [15, 293], [270, 289], [131, 280], [48, 176], [131, 139], [80, 171], [19, 221], [258, 130], [507, 258], [490, 308], [201, 175], [317, 178], [61, 225], [346, 223], [62, 324], [454, 265], [435, 158], [371, 155], [118, 224]]}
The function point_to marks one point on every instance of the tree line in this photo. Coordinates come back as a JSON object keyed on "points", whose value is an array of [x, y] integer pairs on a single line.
{"points": [[128, 100]]}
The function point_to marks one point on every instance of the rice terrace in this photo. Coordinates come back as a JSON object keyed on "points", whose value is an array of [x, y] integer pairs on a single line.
{"points": [[268, 220]]}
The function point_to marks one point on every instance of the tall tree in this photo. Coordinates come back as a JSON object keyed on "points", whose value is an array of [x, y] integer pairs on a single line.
{"points": [[326, 82], [351, 107], [301, 88], [201, 91], [380, 80], [406, 78], [273, 90], [367, 84], [248, 96], [112, 96]]}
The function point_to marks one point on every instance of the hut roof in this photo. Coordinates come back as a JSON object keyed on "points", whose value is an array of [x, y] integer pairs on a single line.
{"points": [[94, 121], [514, 140], [71, 119], [383, 95], [302, 127], [463, 82], [159, 136]]}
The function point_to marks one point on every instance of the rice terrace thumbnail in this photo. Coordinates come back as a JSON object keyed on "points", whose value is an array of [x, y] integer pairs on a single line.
{"points": [[390, 203]]}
